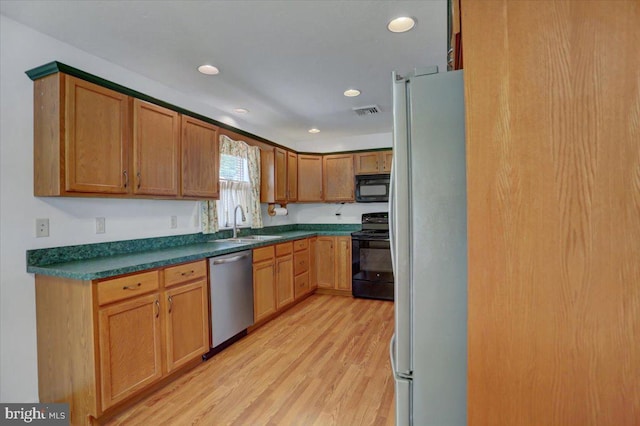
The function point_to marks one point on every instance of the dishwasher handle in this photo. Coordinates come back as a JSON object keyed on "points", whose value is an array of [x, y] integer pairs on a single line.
{"points": [[229, 259]]}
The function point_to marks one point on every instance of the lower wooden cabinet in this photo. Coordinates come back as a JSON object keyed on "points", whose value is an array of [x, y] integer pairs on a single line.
{"points": [[264, 283], [130, 347], [284, 280], [187, 323], [102, 342], [333, 263]]}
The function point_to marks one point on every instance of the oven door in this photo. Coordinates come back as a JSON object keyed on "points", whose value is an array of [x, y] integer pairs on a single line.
{"points": [[372, 269]]}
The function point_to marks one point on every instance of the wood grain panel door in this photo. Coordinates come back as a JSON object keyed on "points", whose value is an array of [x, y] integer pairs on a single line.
{"points": [[200, 162], [553, 173], [156, 149], [309, 178], [187, 325], [387, 161], [367, 163], [130, 345], [343, 263], [284, 281], [313, 269], [292, 176], [325, 262], [338, 177], [97, 138], [280, 175], [264, 289]]}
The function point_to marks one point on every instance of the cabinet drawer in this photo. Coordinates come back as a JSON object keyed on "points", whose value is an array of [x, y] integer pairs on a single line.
{"points": [[300, 262], [300, 245], [187, 272], [284, 249], [301, 285], [125, 287], [263, 253]]}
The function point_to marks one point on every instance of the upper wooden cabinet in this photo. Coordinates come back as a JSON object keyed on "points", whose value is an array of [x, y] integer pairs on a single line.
{"points": [[280, 165], [338, 177], [94, 141], [292, 176], [369, 163], [81, 138], [309, 177], [156, 149], [200, 162], [279, 176]]}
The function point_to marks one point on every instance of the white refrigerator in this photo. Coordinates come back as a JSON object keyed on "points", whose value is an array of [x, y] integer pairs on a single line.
{"points": [[428, 227]]}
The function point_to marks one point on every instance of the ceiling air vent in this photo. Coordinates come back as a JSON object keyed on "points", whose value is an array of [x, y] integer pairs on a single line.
{"points": [[367, 110]]}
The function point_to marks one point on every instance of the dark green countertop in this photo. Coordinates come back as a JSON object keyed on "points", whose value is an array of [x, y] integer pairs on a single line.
{"points": [[95, 261]]}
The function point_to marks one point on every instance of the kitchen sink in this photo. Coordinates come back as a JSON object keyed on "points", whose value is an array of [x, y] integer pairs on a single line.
{"points": [[248, 239]]}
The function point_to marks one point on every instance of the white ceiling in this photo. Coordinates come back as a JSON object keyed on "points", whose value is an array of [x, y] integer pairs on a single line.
{"points": [[287, 62]]}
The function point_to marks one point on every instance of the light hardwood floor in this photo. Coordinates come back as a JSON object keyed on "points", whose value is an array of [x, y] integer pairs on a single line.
{"points": [[323, 362]]}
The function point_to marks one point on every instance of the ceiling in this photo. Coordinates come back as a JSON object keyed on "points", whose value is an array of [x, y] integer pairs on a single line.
{"points": [[287, 62]]}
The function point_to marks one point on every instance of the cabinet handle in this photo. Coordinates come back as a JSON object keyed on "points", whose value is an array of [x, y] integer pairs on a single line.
{"points": [[377, 166], [157, 308], [132, 287], [139, 179], [126, 178], [170, 304], [186, 274]]}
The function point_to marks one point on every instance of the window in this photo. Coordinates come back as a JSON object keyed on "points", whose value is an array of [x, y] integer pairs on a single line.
{"points": [[234, 190]]}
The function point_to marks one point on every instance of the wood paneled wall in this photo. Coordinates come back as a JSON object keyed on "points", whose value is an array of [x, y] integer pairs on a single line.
{"points": [[553, 166]]}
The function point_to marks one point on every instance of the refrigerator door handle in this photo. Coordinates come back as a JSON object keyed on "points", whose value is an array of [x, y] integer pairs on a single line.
{"points": [[392, 356]]}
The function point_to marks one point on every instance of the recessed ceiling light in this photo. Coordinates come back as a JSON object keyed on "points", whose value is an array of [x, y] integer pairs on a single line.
{"points": [[401, 24], [208, 69], [314, 130], [351, 92], [240, 110]]}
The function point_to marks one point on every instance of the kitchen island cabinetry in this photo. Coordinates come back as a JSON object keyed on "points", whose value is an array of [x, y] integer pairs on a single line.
{"points": [[333, 263], [103, 342], [338, 177]]}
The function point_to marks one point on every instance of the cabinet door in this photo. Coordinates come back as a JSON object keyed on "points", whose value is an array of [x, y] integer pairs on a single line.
{"points": [[343, 263], [97, 138], [301, 285], [313, 274], [292, 176], [337, 172], [281, 175], [156, 143], [387, 161], [187, 325], [200, 177], [130, 345], [284, 281], [264, 289], [367, 163], [325, 262], [309, 178]]}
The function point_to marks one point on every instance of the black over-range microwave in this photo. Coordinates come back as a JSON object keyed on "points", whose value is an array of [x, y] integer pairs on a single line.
{"points": [[372, 188]]}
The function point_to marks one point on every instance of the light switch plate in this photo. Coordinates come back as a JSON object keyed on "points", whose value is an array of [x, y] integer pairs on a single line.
{"points": [[101, 227]]}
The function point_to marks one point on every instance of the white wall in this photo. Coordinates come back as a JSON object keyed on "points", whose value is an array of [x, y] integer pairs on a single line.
{"points": [[72, 221], [351, 143]]}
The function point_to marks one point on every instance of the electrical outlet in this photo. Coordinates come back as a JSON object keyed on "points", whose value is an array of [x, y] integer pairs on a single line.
{"points": [[42, 228], [174, 222], [100, 225]]}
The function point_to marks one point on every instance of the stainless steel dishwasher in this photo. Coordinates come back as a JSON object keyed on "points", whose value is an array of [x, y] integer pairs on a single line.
{"points": [[231, 292]]}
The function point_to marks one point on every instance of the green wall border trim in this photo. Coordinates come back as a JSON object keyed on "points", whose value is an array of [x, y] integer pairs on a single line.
{"points": [[355, 151], [55, 67]]}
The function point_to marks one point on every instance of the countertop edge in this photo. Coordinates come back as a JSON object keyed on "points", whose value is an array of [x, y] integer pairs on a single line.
{"points": [[98, 268]]}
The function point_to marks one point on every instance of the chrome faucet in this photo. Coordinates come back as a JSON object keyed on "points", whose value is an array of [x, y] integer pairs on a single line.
{"points": [[235, 221]]}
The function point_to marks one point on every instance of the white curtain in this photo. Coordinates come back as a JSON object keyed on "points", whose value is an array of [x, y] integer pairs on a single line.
{"points": [[232, 193]]}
